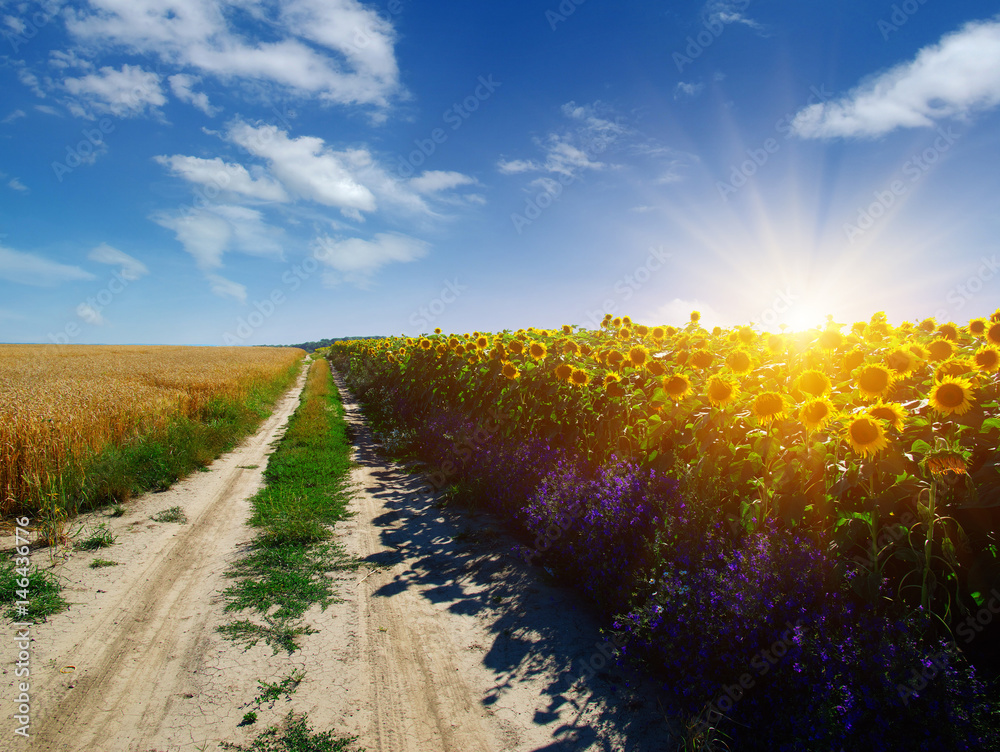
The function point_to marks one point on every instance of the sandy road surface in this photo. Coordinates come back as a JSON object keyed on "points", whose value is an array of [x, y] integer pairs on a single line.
{"points": [[442, 641]]}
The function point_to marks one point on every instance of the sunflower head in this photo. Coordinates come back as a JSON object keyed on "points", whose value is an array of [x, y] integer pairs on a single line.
{"points": [[537, 350], [952, 394], [746, 335], [642, 330], [814, 382], [946, 461], [615, 358], [948, 331], [695, 317], [927, 325], [853, 359], [721, 391], [564, 371], [987, 358], [830, 339], [739, 361], [993, 333], [579, 377], [611, 378], [954, 367], [816, 413], [515, 347], [939, 349], [873, 380], [638, 356], [659, 334], [571, 348], [510, 371], [567, 329], [655, 368], [776, 343], [893, 413], [701, 359], [977, 327], [866, 435], [677, 386], [768, 406], [901, 360], [624, 333], [425, 344]]}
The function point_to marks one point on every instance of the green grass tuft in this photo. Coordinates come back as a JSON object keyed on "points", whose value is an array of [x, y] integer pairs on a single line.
{"points": [[294, 735], [174, 514], [99, 537], [98, 563], [44, 597]]}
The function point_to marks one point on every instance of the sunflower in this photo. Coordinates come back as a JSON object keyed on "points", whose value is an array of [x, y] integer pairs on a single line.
{"points": [[611, 378], [768, 406], [739, 362], [830, 339], [901, 360], [866, 435], [776, 343], [949, 331], [814, 382], [615, 358], [746, 335], [626, 321], [641, 329], [946, 462], [624, 333], [460, 350], [939, 349], [721, 391], [425, 344], [515, 347], [816, 413], [659, 334], [571, 348], [564, 371], [919, 352], [892, 413], [853, 359], [614, 389], [441, 349], [681, 357], [585, 350], [482, 342], [993, 333], [987, 358], [954, 367], [567, 329], [510, 371], [873, 380], [656, 368], [695, 317], [977, 327], [537, 350], [616, 323], [638, 356], [952, 395], [579, 377], [701, 359], [927, 325], [677, 386], [437, 330]]}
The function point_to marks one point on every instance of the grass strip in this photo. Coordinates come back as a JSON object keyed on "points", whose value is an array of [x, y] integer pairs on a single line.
{"points": [[294, 735], [286, 569]]}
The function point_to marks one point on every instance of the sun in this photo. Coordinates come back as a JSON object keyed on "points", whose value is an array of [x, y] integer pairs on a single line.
{"points": [[802, 316]]}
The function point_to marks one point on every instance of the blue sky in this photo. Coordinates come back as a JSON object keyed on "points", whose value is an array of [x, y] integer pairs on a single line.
{"points": [[249, 171]]}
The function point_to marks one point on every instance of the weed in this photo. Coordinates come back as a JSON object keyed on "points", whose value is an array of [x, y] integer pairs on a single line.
{"points": [[43, 593], [99, 537], [117, 510], [294, 735], [285, 687], [174, 514], [249, 719], [98, 563]]}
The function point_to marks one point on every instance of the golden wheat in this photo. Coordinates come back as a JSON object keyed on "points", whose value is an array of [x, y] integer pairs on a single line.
{"points": [[58, 404]]}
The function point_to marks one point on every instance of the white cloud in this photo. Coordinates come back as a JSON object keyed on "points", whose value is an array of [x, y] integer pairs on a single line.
{"points": [[180, 85], [128, 92], [48, 110], [514, 166], [355, 260], [335, 50], [729, 12], [687, 89], [220, 176], [17, 185], [29, 269], [90, 314], [15, 115], [433, 181], [209, 233], [226, 288], [953, 78], [306, 166], [131, 268]]}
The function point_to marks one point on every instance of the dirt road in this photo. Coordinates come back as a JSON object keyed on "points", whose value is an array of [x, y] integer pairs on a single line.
{"points": [[442, 641]]}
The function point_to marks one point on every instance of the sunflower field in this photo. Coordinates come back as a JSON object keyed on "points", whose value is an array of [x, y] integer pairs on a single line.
{"points": [[716, 492]]}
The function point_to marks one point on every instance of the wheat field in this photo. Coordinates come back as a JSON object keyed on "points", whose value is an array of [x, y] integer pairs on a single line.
{"points": [[60, 405]]}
